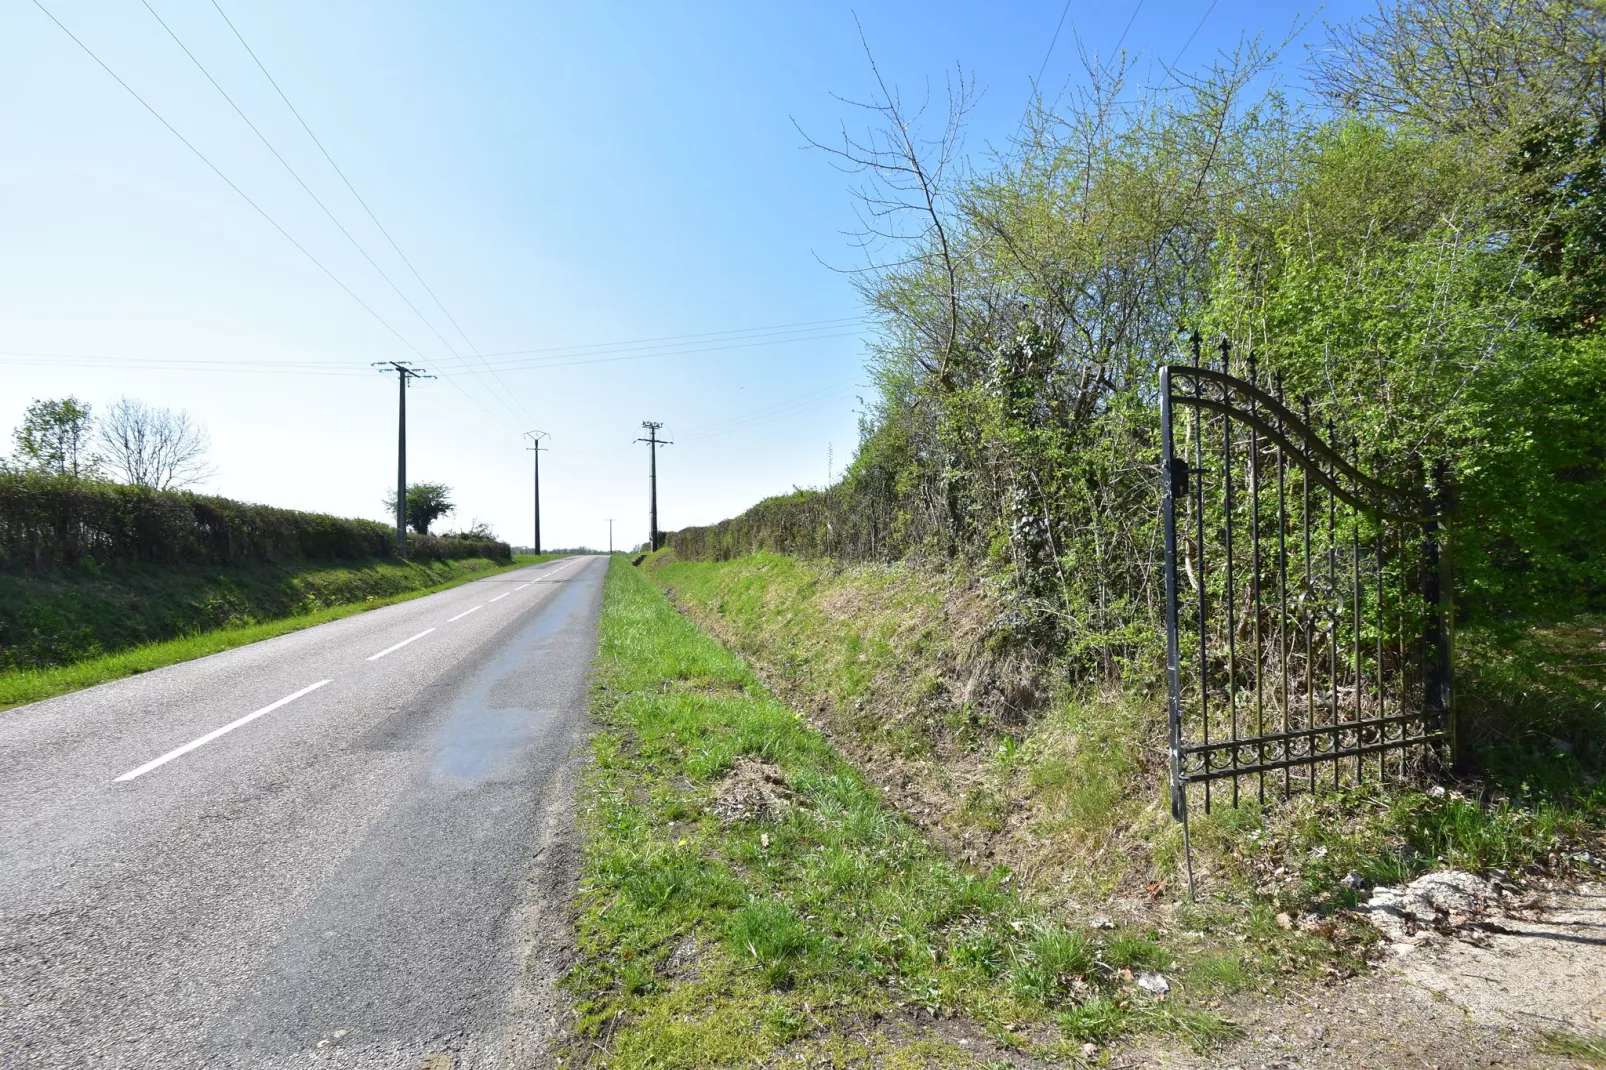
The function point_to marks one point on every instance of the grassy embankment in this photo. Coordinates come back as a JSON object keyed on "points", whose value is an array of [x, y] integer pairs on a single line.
{"points": [[895, 662], [748, 895], [68, 630], [1036, 822]]}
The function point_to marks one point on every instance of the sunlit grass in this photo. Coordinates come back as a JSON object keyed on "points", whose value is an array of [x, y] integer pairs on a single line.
{"points": [[802, 924], [23, 686]]}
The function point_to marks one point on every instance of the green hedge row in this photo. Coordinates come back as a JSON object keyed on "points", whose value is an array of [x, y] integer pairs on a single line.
{"points": [[58, 522], [841, 522]]}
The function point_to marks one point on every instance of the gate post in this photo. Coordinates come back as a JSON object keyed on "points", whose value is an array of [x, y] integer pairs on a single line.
{"points": [[1438, 591], [1174, 479]]}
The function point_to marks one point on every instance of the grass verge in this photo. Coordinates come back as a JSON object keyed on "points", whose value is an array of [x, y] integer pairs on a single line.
{"points": [[21, 686], [805, 919], [897, 664]]}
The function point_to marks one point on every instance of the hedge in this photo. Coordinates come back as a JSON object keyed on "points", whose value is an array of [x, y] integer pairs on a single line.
{"points": [[58, 522]]}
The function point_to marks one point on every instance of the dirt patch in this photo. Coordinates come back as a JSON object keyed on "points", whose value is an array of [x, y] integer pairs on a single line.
{"points": [[1541, 969], [1445, 904], [754, 790], [1481, 975]]}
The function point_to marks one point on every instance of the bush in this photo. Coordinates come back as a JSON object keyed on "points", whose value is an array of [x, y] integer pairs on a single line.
{"points": [[61, 522], [444, 547]]}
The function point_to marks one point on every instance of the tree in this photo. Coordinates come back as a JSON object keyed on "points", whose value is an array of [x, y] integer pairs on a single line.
{"points": [[1519, 87], [54, 438], [151, 447], [426, 503]]}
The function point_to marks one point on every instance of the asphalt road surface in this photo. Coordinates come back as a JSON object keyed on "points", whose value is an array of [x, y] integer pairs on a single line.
{"points": [[341, 847]]}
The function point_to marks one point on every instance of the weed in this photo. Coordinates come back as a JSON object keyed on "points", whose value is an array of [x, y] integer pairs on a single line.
{"points": [[1136, 952], [1096, 1019], [1591, 1051], [772, 934], [1219, 971], [1044, 969]]}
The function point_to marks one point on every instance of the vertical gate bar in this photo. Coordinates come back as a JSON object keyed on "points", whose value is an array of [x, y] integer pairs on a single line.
{"points": [[1282, 577], [1173, 646], [1444, 507], [1310, 675], [1403, 668], [1382, 621], [1254, 581], [1355, 617], [1230, 602], [1436, 645], [1332, 585], [1199, 518]]}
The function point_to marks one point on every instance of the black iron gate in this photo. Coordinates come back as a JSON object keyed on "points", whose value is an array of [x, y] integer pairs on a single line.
{"points": [[1308, 615]]}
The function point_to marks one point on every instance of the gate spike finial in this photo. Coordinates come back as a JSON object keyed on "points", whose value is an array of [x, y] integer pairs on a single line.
{"points": [[1225, 345], [1277, 378], [1197, 342], [1252, 366]]}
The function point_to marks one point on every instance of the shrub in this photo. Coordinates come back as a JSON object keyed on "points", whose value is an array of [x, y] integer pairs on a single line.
{"points": [[60, 522]]}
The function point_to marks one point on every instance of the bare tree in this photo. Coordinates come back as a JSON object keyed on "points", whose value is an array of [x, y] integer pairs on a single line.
{"points": [[152, 447], [907, 175]]}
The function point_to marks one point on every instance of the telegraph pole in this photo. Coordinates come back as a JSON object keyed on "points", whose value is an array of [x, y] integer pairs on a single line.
{"points": [[610, 534], [405, 373], [653, 442], [535, 438]]}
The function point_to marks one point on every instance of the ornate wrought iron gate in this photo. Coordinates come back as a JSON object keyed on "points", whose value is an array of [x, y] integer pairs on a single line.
{"points": [[1308, 615]]}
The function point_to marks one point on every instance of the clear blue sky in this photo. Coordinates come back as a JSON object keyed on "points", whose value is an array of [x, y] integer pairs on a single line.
{"points": [[561, 175]]}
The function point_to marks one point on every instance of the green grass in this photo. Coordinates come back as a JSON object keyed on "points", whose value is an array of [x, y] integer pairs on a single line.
{"points": [[20, 686], [1586, 1050], [873, 652], [705, 942]]}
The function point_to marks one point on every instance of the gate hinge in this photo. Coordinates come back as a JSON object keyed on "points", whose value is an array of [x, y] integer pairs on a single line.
{"points": [[1179, 478]]}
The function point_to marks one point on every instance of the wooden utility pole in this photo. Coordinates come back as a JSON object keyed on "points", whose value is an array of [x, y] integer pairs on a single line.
{"points": [[405, 373], [653, 442], [535, 438]]}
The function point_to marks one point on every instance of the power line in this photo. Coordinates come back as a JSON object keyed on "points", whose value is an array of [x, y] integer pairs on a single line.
{"points": [[559, 362], [246, 197], [1066, 10], [1122, 40], [783, 408], [1195, 32], [333, 367], [355, 244], [374, 218], [676, 340], [230, 182]]}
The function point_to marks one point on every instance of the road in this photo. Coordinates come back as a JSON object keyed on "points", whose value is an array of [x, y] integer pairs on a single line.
{"points": [[341, 847]]}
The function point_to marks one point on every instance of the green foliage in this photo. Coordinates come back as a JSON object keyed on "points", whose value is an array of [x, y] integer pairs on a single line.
{"points": [[426, 503], [58, 522], [1424, 260], [54, 439]]}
